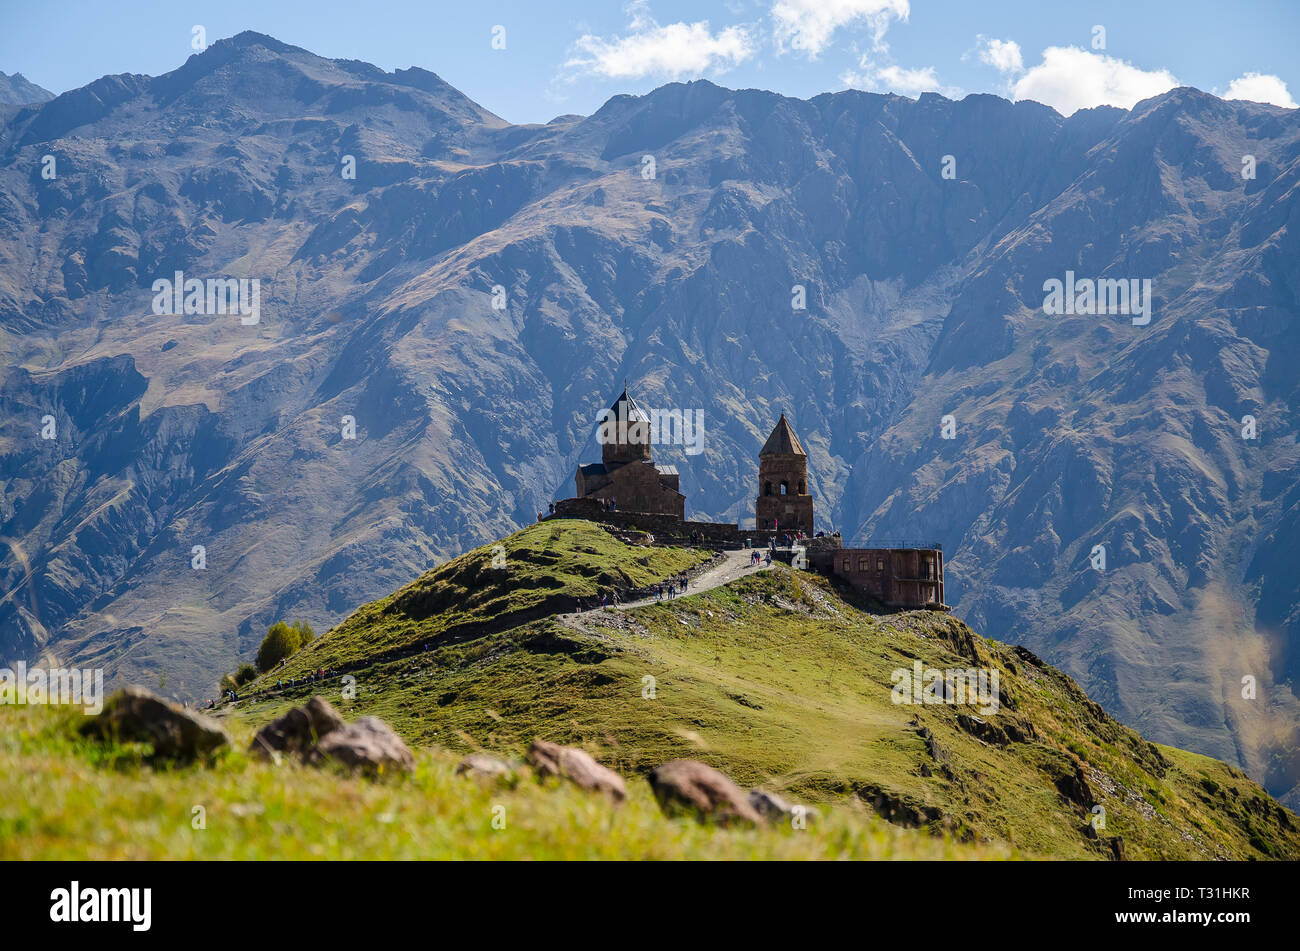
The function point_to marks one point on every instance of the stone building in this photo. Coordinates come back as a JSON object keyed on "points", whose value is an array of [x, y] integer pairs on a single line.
{"points": [[626, 476], [784, 503], [896, 577]]}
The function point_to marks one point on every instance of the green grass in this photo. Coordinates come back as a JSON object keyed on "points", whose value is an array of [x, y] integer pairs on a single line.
{"points": [[776, 680], [543, 564], [62, 797]]}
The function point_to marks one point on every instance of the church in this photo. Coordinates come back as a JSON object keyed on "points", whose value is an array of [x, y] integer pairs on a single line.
{"points": [[628, 488], [626, 478]]}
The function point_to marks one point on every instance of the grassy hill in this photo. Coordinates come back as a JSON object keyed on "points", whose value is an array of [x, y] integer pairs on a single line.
{"points": [[68, 798], [777, 680]]}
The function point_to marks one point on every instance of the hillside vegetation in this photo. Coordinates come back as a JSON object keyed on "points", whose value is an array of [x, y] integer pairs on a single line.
{"points": [[544, 569], [71, 799], [779, 681]]}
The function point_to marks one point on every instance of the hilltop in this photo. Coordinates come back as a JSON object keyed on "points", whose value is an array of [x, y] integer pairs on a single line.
{"points": [[778, 679]]}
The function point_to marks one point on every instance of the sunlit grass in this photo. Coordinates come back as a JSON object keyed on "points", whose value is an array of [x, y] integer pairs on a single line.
{"points": [[67, 798]]}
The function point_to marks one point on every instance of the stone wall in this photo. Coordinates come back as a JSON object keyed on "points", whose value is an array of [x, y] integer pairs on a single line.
{"points": [[669, 529]]}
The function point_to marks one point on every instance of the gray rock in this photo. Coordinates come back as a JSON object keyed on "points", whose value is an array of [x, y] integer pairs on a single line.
{"points": [[774, 808], [297, 731], [136, 715], [483, 767], [689, 787], [367, 745], [577, 766]]}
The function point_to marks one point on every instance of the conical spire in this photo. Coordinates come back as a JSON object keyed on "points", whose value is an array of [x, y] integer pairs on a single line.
{"points": [[626, 408], [783, 441]]}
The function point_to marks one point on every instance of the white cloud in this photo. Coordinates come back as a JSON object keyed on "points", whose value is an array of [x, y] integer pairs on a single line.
{"points": [[670, 51], [1260, 87], [1069, 79], [1002, 55], [809, 25], [896, 79]]}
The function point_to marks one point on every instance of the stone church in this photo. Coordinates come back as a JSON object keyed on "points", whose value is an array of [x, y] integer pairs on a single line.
{"points": [[626, 477]]}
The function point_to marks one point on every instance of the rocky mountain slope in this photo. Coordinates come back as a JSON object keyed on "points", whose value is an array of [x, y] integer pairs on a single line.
{"points": [[659, 240], [18, 90]]}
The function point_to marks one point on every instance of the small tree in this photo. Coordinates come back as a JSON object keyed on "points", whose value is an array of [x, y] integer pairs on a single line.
{"points": [[280, 642], [305, 633], [246, 673]]}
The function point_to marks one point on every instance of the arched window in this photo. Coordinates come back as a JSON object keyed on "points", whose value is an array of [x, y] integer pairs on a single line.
{"points": [[802, 489], [785, 486], [767, 488]]}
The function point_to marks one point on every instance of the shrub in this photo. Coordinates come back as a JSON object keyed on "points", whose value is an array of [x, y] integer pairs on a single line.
{"points": [[280, 642], [283, 640], [245, 674]]}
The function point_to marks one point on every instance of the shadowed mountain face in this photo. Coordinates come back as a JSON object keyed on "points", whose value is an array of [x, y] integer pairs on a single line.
{"points": [[478, 291]]}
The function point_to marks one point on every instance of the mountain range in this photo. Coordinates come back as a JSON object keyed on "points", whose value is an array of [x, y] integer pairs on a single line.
{"points": [[470, 293]]}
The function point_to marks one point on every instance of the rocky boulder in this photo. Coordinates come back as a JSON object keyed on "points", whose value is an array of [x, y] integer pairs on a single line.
{"points": [[367, 745], [298, 731], [688, 787], [775, 808], [487, 769], [577, 766], [136, 715]]}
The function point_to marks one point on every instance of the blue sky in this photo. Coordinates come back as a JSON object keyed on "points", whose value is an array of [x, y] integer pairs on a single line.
{"points": [[569, 56]]}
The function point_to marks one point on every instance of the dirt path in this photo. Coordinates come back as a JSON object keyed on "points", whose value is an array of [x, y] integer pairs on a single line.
{"points": [[734, 564]]}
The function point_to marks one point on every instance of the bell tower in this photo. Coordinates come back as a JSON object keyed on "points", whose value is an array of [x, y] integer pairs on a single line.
{"points": [[784, 503]]}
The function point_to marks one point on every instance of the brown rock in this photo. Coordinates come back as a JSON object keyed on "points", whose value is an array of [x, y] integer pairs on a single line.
{"points": [[136, 715], [368, 744], [577, 766], [685, 786], [298, 730]]}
